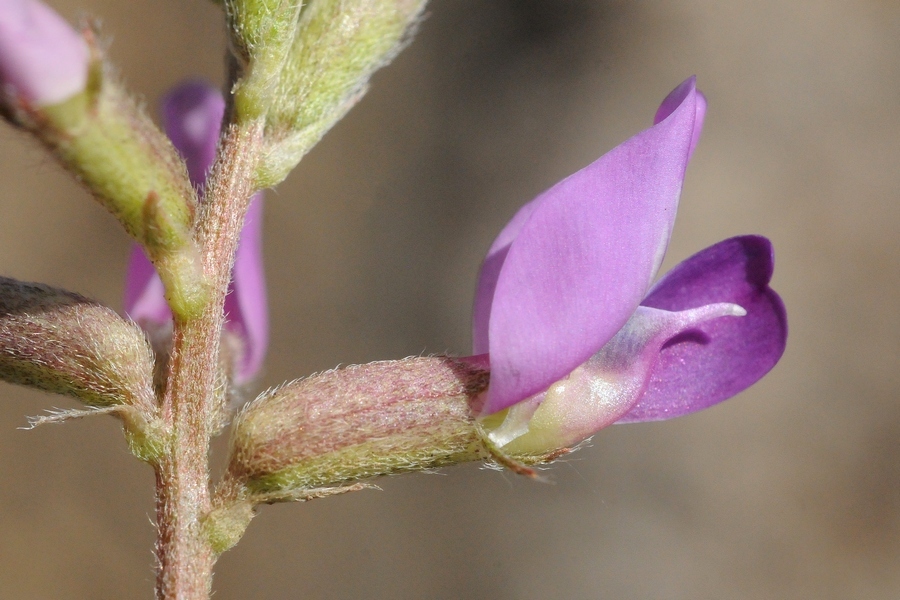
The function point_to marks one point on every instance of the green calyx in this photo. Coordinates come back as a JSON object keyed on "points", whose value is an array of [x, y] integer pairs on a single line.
{"points": [[107, 142], [370, 459], [127, 163], [341, 428]]}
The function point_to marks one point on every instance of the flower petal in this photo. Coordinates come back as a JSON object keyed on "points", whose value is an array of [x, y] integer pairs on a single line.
{"points": [[42, 58], [490, 272], [674, 100], [145, 295], [192, 115], [582, 260], [246, 307], [599, 392], [723, 357]]}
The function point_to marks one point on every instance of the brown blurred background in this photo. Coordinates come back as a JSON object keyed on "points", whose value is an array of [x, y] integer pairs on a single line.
{"points": [[791, 490]]}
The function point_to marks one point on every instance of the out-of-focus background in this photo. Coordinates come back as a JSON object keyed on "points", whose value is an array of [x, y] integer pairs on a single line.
{"points": [[791, 490]]}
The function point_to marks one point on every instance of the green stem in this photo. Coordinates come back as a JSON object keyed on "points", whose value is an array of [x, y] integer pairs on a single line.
{"points": [[193, 398]]}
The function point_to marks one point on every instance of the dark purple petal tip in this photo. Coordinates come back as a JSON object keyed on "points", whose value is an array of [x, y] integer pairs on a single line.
{"points": [[720, 358]]}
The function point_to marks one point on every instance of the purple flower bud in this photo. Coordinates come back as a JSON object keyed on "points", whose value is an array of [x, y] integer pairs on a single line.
{"points": [[193, 115], [574, 345], [43, 60]]}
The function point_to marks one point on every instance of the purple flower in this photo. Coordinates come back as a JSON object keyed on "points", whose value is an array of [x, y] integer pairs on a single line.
{"points": [[574, 339], [193, 115], [43, 60]]}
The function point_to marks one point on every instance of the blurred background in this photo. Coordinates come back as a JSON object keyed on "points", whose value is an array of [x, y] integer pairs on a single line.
{"points": [[791, 490]]}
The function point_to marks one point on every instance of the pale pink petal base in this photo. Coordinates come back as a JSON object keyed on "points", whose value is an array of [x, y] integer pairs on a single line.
{"points": [[145, 296], [606, 387], [246, 306]]}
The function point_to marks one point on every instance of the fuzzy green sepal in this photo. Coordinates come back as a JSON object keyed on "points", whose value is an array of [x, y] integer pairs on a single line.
{"points": [[365, 461], [224, 527]]}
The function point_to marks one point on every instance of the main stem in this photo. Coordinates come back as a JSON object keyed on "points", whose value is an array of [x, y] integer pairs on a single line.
{"points": [[193, 395]]}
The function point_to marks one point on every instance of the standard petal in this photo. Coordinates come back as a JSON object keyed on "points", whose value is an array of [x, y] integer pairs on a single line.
{"points": [[192, 116], [582, 260], [246, 309], [720, 358]]}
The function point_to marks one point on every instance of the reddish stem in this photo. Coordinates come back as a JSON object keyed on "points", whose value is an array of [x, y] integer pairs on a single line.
{"points": [[193, 397]]}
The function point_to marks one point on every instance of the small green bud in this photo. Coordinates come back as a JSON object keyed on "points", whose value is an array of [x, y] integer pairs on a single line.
{"points": [[262, 32], [360, 422], [61, 342], [225, 525], [337, 47]]}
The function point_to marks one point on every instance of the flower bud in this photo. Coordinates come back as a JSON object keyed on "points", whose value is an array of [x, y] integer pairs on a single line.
{"points": [[43, 61], [104, 138], [338, 45], [61, 342], [262, 32], [359, 422]]}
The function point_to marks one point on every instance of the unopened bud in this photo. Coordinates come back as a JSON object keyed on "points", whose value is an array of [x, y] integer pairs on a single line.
{"points": [[262, 32], [338, 45], [61, 342], [56, 87]]}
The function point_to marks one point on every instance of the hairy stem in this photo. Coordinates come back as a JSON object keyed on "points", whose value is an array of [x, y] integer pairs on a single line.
{"points": [[194, 394]]}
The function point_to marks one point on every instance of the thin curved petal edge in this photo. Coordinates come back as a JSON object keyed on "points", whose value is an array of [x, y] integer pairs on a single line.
{"points": [[246, 307], [490, 272], [721, 358], [675, 98]]}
